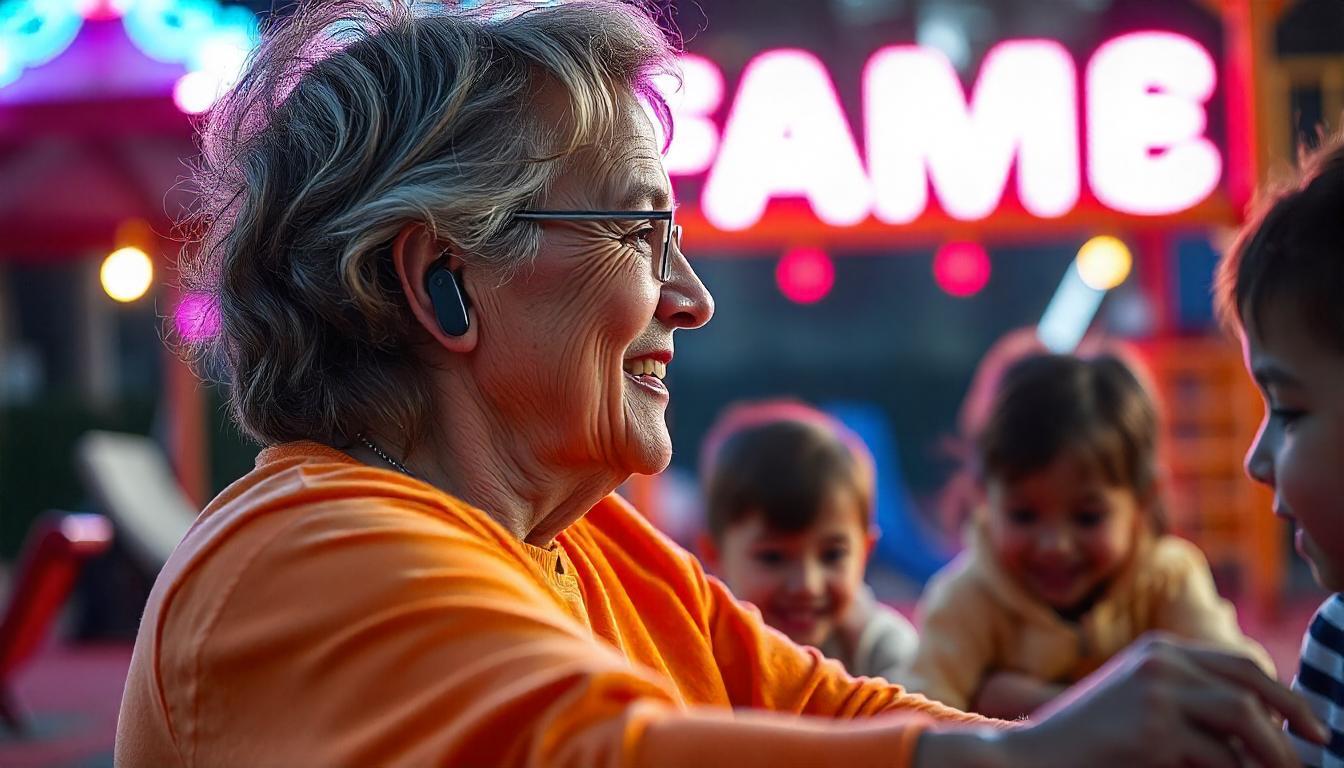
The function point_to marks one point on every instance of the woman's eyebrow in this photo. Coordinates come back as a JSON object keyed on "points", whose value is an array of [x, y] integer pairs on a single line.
{"points": [[639, 191]]}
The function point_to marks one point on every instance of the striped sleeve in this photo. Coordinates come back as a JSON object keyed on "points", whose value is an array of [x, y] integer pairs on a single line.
{"points": [[1320, 680]]}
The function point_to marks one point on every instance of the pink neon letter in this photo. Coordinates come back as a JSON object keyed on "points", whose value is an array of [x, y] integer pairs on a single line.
{"points": [[1023, 107], [1147, 153], [786, 135], [696, 137]]}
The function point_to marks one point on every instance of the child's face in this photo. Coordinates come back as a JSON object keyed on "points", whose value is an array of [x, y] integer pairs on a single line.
{"points": [[1061, 532], [802, 581], [1299, 451]]}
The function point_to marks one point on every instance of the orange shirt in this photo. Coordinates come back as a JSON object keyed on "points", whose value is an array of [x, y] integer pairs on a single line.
{"points": [[325, 613]]}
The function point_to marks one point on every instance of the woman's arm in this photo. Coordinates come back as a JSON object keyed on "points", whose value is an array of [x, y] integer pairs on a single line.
{"points": [[763, 669]]}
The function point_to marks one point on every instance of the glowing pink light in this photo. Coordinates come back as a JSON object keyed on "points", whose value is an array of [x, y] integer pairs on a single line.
{"points": [[195, 92], [196, 318], [920, 128], [696, 137], [786, 136], [805, 275], [961, 269], [101, 10], [1147, 152]]}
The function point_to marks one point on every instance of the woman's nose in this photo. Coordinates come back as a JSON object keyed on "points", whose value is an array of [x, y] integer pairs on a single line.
{"points": [[685, 301]]}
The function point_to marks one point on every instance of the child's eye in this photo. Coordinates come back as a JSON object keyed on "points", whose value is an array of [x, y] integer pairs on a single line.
{"points": [[833, 556], [768, 557], [1089, 519], [1022, 516], [1287, 416]]}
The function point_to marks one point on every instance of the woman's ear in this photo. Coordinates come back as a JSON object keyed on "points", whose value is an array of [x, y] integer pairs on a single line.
{"points": [[415, 255]]}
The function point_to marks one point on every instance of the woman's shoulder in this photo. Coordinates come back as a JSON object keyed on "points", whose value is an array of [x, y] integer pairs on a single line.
{"points": [[306, 506], [617, 532]]}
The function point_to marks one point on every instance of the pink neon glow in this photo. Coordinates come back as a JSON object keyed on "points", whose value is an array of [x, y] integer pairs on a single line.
{"points": [[805, 275], [786, 136], [196, 318], [961, 269], [920, 129], [1146, 96], [696, 137], [100, 10]]}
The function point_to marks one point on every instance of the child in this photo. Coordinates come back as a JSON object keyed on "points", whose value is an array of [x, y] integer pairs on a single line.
{"points": [[789, 496], [1069, 560], [1282, 287]]}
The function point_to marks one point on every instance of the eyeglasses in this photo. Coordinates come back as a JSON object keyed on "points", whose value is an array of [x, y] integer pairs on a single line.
{"points": [[664, 227]]}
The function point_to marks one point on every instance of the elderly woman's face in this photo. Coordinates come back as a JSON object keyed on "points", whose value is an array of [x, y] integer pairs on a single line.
{"points": [[574, 348]]}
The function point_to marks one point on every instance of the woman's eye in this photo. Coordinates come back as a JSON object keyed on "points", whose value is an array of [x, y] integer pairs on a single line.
{"points": [[641, 238]]}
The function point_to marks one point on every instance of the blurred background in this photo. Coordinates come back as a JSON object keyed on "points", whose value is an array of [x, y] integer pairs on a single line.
{"points": [[879, 194]]}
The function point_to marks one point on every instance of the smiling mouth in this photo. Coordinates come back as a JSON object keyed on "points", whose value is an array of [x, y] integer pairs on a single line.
{"points": [[646, 366]]}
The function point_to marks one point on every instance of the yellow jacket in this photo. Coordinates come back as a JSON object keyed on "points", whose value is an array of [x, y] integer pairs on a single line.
{"points": [[976, 620]]}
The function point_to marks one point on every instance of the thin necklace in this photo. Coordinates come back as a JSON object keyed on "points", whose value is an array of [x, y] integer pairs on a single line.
{"points": [[397, 465]]}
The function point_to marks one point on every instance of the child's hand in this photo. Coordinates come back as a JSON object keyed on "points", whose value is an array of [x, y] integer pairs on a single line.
{"points": [[1162, 703], [1009, 695]]}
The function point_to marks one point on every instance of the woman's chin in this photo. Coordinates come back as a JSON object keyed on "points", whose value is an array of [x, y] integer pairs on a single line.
{"points": [[649, 457]]}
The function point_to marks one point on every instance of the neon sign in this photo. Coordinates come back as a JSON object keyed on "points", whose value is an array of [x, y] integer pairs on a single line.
{"points": [[924, 138], [209, 39]]}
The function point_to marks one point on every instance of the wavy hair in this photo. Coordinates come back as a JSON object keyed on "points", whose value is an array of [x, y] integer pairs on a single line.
{"points": [[353, 119]]}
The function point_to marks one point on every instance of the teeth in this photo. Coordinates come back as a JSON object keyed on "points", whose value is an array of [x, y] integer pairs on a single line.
{"points": [[646, 367]]}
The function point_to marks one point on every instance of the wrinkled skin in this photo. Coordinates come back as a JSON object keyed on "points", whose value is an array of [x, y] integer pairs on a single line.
{"points": [[539, 418]]}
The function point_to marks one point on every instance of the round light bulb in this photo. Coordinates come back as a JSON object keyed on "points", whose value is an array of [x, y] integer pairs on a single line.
{"points": [[126, 274], [1104, 262]]}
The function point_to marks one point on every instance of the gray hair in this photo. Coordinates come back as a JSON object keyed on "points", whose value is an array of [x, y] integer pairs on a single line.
{"points": [[353, 119]]}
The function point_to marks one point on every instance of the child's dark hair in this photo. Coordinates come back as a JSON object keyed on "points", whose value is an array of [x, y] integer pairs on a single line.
{"points": [[1094, 408], [780, 459], [1291, 250]]}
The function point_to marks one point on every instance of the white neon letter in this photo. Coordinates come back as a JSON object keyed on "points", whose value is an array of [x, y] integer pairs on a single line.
{"points": [[696, 137], [920, 129], [786, 136], [1147, 152]]}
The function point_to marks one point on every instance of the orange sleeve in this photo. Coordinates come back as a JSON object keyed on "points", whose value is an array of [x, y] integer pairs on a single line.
{"points": [[763, 669], [442, 651]]}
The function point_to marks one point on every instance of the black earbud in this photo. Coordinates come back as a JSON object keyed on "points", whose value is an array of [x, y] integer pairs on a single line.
{"points": [[450, 302]]}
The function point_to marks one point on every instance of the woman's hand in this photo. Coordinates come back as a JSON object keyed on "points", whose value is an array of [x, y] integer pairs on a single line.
{"points": [[1160, 703], [1010, 695]]}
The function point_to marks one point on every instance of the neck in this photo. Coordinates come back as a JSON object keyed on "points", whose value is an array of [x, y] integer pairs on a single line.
{"points": [[495, 469]]}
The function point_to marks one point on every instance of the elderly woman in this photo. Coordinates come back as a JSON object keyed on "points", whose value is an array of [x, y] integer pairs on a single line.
{"points": [[448, 276]]}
